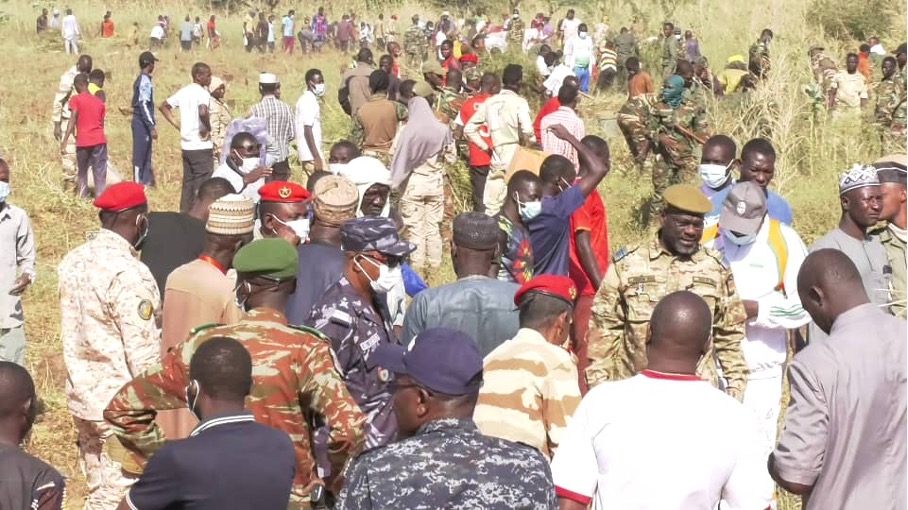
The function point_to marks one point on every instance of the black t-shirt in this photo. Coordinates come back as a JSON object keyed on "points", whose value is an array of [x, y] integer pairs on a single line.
{"points": [[228, 462], [320, 266], [173, 240], [27, 482]]}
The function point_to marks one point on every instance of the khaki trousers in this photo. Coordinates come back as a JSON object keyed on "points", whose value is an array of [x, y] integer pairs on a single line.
{"points": [[422, 211]]}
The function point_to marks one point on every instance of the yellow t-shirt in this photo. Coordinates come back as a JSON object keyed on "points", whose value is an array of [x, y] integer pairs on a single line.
{"points": [[93, 89]]}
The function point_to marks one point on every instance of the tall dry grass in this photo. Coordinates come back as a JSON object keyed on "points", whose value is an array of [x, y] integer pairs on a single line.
{"points": [[811, 151]]}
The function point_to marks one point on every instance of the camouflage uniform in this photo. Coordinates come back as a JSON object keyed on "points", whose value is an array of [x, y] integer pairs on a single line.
{"points": [[448, 463], [108, 303], [680, 165], [294, 379], [61, 113], [415, 46], [515, 32], [824, 69], [892, 113], [759, 61], [355, 330], [635, 282], [529, 392], [895, 252], [633, 120], [672, 50], [447, 108]]}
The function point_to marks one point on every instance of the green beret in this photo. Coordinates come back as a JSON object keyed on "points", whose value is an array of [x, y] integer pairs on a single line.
{"points": [[272, 258], [687, 198]]}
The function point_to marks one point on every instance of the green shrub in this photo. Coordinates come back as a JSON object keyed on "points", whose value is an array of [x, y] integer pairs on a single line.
{"points": [[845, 19]]}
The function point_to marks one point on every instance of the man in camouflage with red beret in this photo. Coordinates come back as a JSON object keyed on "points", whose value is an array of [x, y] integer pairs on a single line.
{"points": [[109, 327]]}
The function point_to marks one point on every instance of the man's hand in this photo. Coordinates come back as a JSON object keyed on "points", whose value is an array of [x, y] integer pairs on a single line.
{"points": [[154, 134], [58, 131], [561, 132], [255, 175], [204, 134], [62, 149], [668, 142], [751, 307], [318, 164], [23, 282]]}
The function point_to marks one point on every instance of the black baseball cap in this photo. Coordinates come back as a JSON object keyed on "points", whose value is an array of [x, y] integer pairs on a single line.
{"points": [[146, 58]]}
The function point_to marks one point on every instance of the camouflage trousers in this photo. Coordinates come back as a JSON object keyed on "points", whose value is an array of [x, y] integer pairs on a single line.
{"points": [[414, 62], [892, 141], [422, 211], [107, 485], [682, 169]]}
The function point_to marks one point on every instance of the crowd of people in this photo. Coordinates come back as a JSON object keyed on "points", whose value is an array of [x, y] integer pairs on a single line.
{"points": [[275, 344]]}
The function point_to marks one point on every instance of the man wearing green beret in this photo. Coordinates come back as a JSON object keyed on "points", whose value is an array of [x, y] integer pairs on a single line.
{"points": [[640, 276], [294, 375]]}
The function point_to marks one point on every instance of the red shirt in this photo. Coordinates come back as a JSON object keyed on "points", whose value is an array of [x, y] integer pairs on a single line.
{"points": [[90, 123], [592, 218], [478, 157], [549, 107], [211, 28]]}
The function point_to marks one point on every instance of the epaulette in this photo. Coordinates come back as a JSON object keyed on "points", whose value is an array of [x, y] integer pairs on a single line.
{"points": [[622, 252], [716, 255], [203, 327], [312, 331]]}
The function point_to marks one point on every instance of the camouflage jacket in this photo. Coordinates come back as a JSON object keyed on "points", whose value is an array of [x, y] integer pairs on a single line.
{"points": [[896, 254], [885, 91], [824, 70], [294, 377], [447, 108], [356, 329], [448, 463], [415, 42], [635, 282], [691, 116], [672, 50], [515, 32], [626, 47], [634, 120], [759, 56]]}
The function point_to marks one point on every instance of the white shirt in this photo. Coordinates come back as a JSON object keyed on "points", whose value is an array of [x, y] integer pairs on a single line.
{"points": [[188, 99], [308, 113], [569, 27], [556, 79], [578, 51], [756, 271], [877, 49], [541, 67], [157, 32], [659, 441], [70, 27], [236, 180]]}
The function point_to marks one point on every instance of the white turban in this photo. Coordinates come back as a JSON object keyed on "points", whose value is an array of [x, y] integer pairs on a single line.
{"points": [[365, 172]]}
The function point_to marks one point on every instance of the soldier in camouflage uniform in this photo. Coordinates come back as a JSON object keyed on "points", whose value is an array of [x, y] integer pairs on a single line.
{"points": [[640, 276], [759, 62], [892, 106], [353, 314], [293, 371], [634, 121], [450, 100], [109, 304], [893, 176], [675, 125], [415, 44], [516, 30], [444, 461], [672, 49], [824, 69]]}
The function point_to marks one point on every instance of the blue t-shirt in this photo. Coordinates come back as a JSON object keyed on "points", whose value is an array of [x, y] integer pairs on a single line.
{"points": [[320, 266], [776, 206], [550, 231], [288, 26], [186, 31]]}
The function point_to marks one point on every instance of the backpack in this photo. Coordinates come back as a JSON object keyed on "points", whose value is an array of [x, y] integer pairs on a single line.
{"points": [[343, 97], [776, 244]]}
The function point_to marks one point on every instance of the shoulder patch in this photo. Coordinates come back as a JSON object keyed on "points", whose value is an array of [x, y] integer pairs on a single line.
{"points": [[312, 331], [622, 252], [145, 309], [341, 317], [203, 327]]}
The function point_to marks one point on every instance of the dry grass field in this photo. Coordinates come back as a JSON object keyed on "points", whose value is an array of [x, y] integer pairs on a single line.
{"points": [[811, 151]]}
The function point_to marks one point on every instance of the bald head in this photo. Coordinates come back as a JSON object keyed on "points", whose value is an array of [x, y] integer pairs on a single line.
{"points": [[679, 329], [829, 285]]}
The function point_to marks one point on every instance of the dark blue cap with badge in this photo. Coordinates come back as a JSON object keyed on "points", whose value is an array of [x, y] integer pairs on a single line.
{"points": [[374, 234], [439, 359]]}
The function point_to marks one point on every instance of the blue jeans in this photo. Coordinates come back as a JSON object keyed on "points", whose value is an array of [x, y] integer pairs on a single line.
{"points": [[583, 74]]}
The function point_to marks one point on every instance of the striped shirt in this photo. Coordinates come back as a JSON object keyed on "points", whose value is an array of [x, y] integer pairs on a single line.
{"points": [[281, 129], [529, 392], [551, 144]]}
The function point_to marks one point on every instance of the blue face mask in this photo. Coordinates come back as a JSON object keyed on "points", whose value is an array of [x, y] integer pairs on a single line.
{"points": [[528, 210], [739, 240], [4, 191]]}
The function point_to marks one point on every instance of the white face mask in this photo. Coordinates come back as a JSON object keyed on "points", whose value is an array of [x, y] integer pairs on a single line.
{"points": [[714, 175], [387, 277], [739, 240], [335, 168], [582, 35], [4, 191], [299, 227], [318, 89]]}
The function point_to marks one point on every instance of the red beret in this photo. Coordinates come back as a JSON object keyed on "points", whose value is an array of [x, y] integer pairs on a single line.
{"points": [[560, 287], [283, 192], [121, 196], [469, 57]]}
